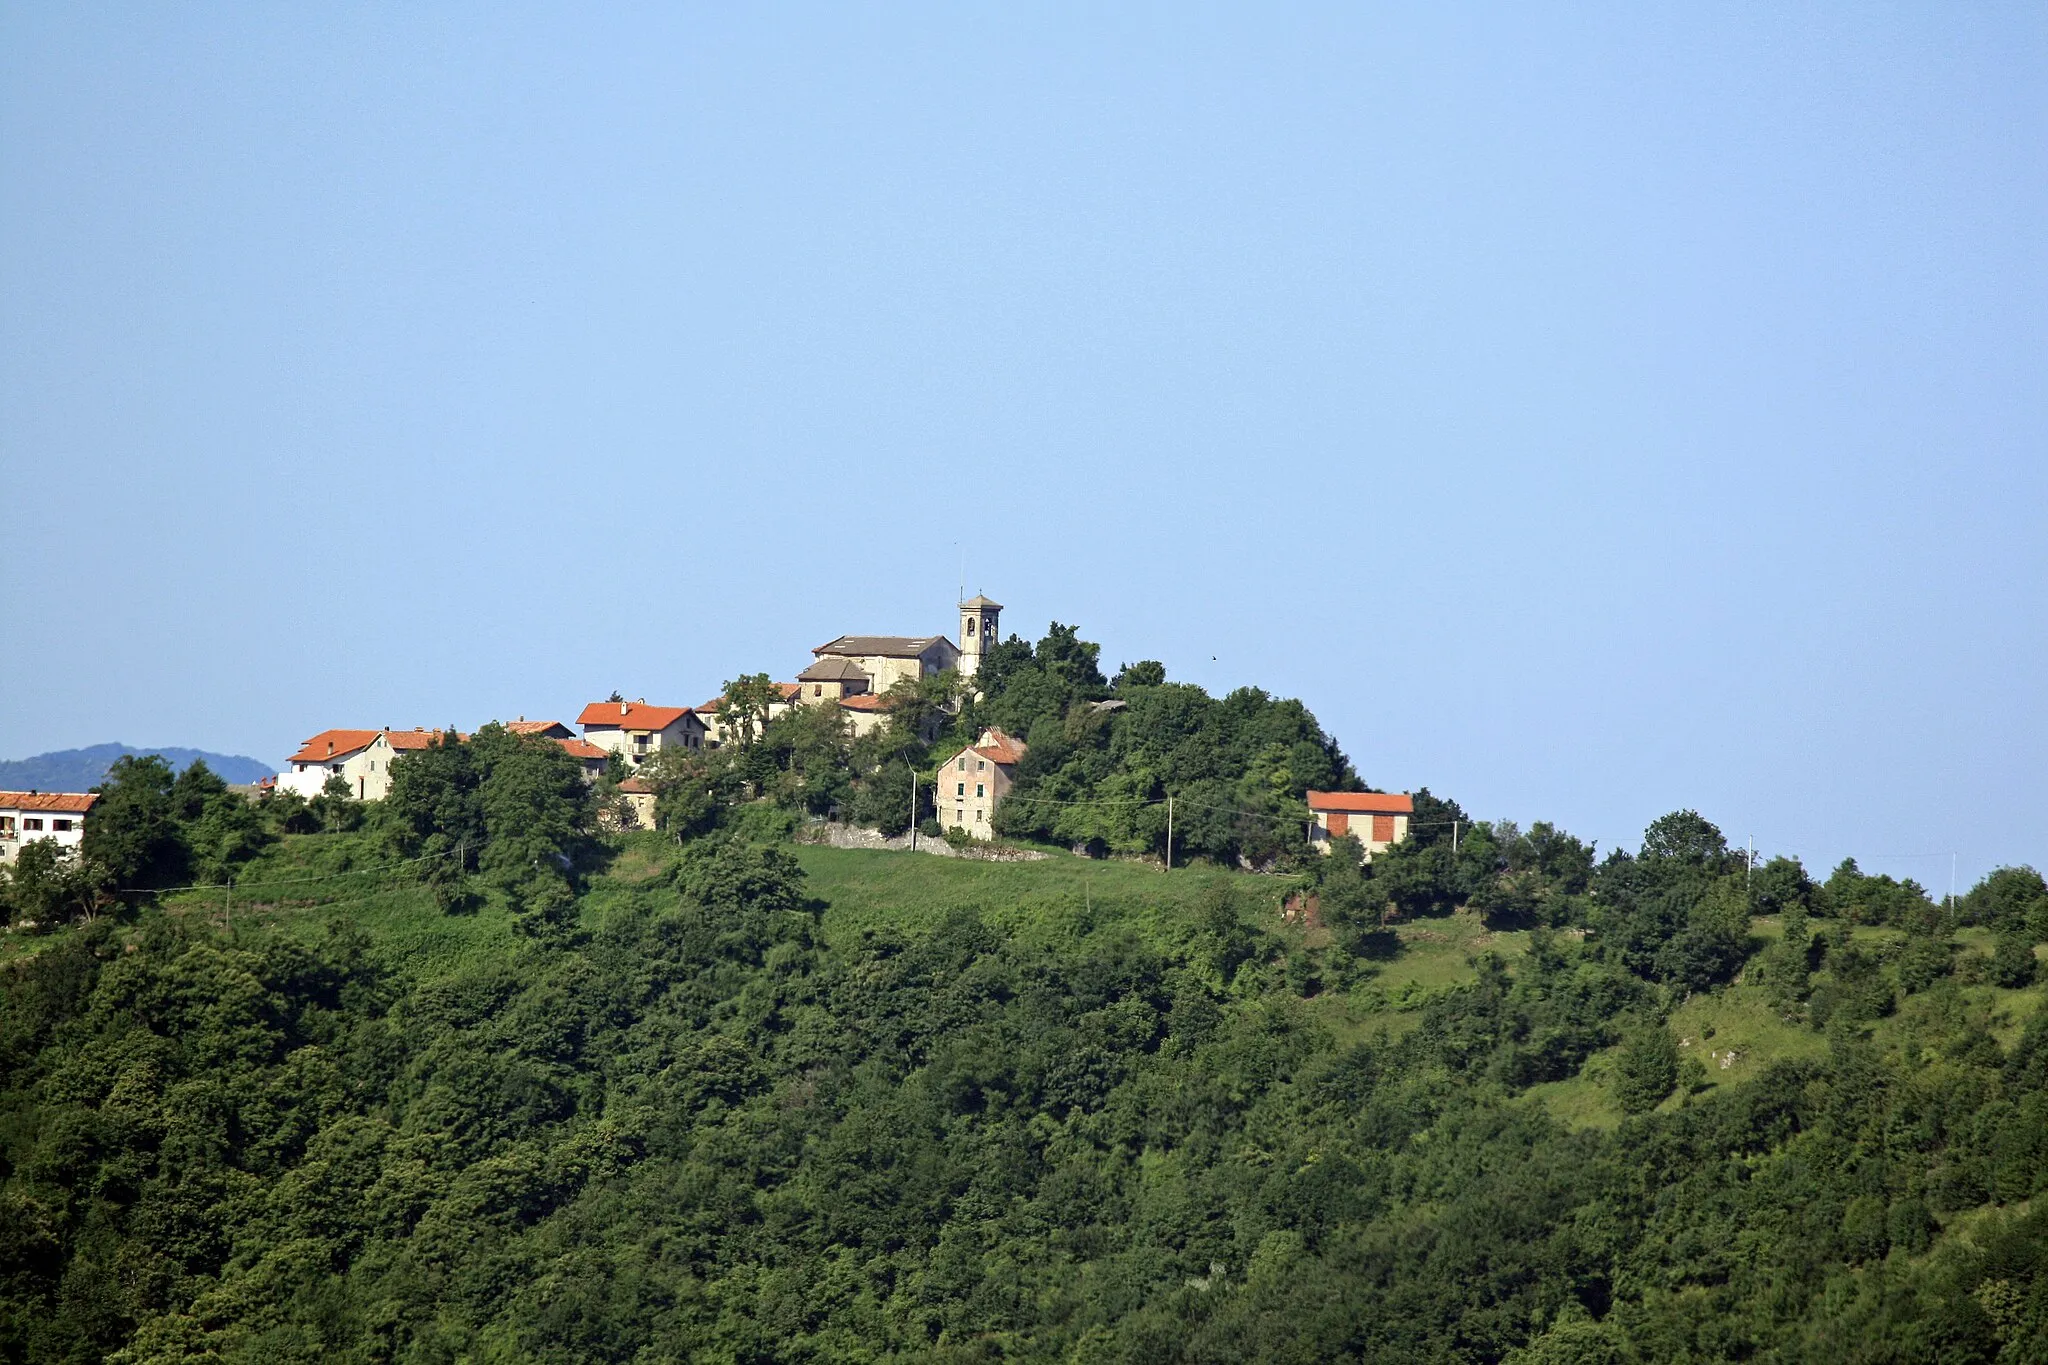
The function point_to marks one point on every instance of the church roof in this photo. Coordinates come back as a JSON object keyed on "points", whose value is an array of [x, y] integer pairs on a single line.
{"points": [[833, 669], [982, 603], [882, 646]]}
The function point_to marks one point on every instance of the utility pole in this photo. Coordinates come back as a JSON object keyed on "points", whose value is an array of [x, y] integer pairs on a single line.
{"points": [[1454, 838], [1748, 864], [913, 810], [231, 904], [1169, 829], [1951, 883]]}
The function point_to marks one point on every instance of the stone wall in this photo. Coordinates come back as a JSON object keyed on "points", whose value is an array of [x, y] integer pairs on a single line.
{"points": [[836, 835]]}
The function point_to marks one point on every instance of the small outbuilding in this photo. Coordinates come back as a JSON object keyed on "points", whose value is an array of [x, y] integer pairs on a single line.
{"points": [[1377, 820]]}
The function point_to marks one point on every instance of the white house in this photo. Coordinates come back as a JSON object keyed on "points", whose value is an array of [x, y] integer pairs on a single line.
{"points": [[58, 816], [636, 731], [971, 783], [362, 758], [1375, 819]]}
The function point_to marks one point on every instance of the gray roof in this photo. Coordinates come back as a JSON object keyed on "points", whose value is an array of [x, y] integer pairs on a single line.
{"points": [[982, 603], [833, 670], [882, 646]]}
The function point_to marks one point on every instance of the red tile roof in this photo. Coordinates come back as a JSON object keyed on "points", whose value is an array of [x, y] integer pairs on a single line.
{"points": [[1376, 803], [582, 748], [630, 715], [333, 744], [329, 745], [418, 739], [636, 786], [539, 727], [864, 701], [997, 747], [75, 802]]}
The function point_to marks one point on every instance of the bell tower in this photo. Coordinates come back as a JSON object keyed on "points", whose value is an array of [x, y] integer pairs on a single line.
{"points": [[978, 620]]}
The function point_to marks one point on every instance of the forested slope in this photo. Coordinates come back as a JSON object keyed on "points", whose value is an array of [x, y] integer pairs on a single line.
{"points": [[1046, 1111]]}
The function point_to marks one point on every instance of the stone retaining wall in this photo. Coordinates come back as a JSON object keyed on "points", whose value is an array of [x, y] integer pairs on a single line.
{"points": [[836, 835]]}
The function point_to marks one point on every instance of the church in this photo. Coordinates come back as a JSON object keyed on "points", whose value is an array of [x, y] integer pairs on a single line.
{"points": [[854, 671]]}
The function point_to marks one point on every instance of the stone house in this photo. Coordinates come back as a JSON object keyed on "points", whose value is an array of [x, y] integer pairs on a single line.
{"points": [[639, 802], [972, 783]]}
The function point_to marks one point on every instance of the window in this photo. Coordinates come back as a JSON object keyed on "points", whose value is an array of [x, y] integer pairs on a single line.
{"points": [[981, 765], [61, 826], [978, 790], [817, 689], [977, 815], [1383, 829], [963, 763], [6, 827], [960, 789], [31, 823]]}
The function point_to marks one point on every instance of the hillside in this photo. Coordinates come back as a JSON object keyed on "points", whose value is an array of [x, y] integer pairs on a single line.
{"points": [[77, 770], [790, 1102]]}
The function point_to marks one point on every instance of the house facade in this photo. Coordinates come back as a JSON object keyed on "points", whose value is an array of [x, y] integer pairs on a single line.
{"points": [[638, 801], [1377, 820], [972, 783], [57, 816], [362, 758], [636, 731]]}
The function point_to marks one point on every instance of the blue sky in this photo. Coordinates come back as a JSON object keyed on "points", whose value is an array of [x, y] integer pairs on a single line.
{"points": [[1588, 411]]}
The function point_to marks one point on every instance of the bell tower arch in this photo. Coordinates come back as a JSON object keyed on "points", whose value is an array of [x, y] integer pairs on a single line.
{"points": [[979, 619]]}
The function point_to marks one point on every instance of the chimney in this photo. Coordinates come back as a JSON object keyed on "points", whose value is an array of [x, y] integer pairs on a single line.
{"points": [[622, 708]]}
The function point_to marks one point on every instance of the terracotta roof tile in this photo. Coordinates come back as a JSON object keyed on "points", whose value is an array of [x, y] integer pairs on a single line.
{"points": [[407, 740], [865, 701], [74, 802], [630, 715], [1377, 803], [539, 727], [636, 786], [329, 745], [583, 748]]}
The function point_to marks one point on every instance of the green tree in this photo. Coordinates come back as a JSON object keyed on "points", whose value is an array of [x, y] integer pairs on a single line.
{"points": [[45, 884], [744, 707], [1144, 673], [221, 829], [1646, 1069], [132, 834]]}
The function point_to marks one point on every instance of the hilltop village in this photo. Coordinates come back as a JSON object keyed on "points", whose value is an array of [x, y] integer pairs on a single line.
{"points": [[929, 688]]}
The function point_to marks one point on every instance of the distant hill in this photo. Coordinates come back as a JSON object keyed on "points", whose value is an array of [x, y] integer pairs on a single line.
{"points": [[77, 770]]}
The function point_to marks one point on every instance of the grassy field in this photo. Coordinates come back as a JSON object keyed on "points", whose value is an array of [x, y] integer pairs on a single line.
{"points": [[307, 886], [1048, 900]]}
